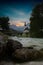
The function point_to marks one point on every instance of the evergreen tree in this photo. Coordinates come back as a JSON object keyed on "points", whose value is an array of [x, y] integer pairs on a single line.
{"points": [[36, 21], [4, 23]]}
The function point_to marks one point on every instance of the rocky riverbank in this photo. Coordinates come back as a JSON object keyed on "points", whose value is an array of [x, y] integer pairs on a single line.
{"points": [[13, 50]]}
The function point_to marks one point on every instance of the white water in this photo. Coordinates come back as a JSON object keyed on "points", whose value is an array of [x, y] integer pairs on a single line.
{"points": [[30, 41]]}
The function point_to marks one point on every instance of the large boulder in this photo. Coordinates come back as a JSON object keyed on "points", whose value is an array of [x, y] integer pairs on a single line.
{"points": [[3, 42], [12, 45], [2, 50], [20, 54], [41, 49], [25, 54], [41, 53]]}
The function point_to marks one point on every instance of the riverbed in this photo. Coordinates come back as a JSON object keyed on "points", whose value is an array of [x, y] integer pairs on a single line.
{"points": [[36, 42]]}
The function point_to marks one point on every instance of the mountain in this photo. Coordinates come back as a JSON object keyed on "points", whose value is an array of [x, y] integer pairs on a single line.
{"points": [[14, 27], [20, 28]]}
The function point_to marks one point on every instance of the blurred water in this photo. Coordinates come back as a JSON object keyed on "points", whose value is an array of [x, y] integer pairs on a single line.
{"points": [[30, 41], [25, 63]]}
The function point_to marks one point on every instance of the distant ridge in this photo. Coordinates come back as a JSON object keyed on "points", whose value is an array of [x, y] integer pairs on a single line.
{"points": [[18, 28]]}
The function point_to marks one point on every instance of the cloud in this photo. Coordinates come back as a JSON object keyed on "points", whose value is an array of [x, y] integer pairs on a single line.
{"points": [[19, 12], [17, 22], [22, 13], [16, 15], [21, 16]]}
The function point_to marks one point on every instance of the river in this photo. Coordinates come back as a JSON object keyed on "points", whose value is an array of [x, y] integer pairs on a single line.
{"points": [[37, 42]]}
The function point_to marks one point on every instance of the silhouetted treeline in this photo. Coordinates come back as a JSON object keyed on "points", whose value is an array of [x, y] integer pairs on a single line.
{"points": [[36, 21], [4, 23]]}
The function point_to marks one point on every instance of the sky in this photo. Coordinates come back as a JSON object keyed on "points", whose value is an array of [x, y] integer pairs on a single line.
{"points": [[18, 11]]}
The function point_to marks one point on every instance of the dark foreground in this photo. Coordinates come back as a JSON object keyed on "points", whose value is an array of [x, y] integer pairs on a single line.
{"points": [[13, 53]]}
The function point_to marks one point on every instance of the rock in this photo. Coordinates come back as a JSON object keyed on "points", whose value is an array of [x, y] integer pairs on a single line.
{"points": [[34, 45], [37, 47], [30, 47], [41, 53], [12, 45], [2, 50], [20, 54], [3, 42], [3, 62], [41, 49], [25, 54], [38, 54]]}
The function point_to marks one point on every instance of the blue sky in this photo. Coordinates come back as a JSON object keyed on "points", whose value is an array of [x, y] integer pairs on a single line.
{"points": [[17, 10]]}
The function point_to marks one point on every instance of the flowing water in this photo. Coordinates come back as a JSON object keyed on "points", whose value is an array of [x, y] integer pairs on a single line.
{"points": [[36, 42]]}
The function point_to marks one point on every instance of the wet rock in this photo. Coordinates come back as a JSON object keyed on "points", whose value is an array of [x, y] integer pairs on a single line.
{"points": [[2, 50], [25, 54], [7, 63], [15, 44], [38, 55], [20, 54], [41, 49], [41, 53], [30, 47], [3, 42], [12, 45], [37, 47]]}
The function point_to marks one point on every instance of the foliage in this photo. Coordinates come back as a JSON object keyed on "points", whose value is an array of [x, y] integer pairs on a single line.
{"points": [[4, 24], [36, 24], [3, 38]]}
